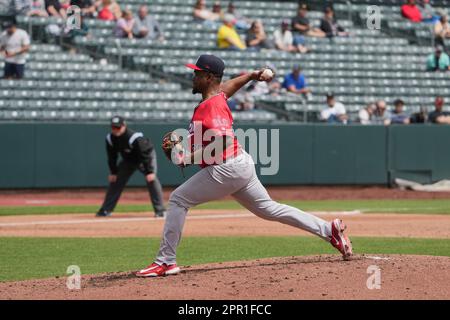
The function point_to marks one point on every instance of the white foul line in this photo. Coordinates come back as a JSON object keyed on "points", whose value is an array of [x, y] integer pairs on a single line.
{"points": [[116, 220], [113, 220]]}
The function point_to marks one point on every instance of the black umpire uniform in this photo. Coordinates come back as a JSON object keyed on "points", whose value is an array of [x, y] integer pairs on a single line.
{"points": [[137, 153]]}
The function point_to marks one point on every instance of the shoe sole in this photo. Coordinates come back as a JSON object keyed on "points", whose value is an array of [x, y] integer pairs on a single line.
{"points": [[150, 275], [171, 272], [346, 243]]}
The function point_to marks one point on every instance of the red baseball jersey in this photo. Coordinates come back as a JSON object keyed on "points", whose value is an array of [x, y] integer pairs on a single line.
{"points": [[213, 117]]}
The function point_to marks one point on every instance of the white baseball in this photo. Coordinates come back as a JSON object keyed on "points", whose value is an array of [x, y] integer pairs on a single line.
{"points": [[267, 74]]}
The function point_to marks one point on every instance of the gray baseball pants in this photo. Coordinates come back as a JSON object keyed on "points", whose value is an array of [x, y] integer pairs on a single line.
{"points": [[238, 178]]}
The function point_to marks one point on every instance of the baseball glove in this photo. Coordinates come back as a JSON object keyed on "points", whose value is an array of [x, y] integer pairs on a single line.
{"points": [[173, 149]]}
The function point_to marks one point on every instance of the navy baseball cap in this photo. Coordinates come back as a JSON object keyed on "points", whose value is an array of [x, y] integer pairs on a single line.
{"points": [[208, 63], [8, 24], [117, 121]]}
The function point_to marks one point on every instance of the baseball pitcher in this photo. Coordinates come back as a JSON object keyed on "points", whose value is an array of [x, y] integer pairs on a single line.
{"points": [[229, 172]]}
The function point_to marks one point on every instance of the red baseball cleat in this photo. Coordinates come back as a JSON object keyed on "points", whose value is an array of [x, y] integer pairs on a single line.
{"points": [[339, 240], [156, 270]]}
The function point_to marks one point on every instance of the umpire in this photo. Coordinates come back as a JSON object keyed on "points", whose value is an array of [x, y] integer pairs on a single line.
{"points": [[137, 152]]}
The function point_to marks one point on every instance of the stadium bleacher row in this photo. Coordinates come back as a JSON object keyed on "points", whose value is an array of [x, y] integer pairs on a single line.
{"points": [[370, 65], [392, 22], [62, 86]]}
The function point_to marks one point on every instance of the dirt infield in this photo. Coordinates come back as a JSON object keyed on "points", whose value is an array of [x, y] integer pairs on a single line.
{"points": [[218, 223], [314, 277], [139, 195]]}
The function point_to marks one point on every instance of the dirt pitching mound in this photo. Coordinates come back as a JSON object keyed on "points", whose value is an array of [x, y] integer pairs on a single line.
{"points": [[313, 277]]}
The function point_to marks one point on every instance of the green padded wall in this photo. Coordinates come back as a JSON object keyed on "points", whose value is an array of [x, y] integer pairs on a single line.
{"points": [[419, 153], [73, 155]]}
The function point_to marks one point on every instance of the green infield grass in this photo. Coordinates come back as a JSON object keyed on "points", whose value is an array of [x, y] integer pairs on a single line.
{"points": [[29, 258]]}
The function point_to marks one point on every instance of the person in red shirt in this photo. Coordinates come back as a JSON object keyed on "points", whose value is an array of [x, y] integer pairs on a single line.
{"points": [[411, 11], [227, 169]]}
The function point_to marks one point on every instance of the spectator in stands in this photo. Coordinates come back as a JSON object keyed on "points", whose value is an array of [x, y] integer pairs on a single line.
{"points": [[365, 114], [438, 116], [284, 39], [411, 12], [217, 9], [145, 26], [398, 116], [427, 12], [263, 88], [241, 22], [37, 9], [329, 25], [108, 10], [14, 44], [256, 38], [55, 9], [295, 82], [64, 3], [442, 30], [438, 61], [124, 26], [335, 113], [380, 116], [302, 27], [202, 14], [419, 117], [227, 37], [87, 7], [16, 7]]}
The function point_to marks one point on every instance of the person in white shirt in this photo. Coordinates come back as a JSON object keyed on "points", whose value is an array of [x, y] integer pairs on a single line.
{"points": [[37, 8], [284, 39], [365, 114], [14, 45], [335, 113]]}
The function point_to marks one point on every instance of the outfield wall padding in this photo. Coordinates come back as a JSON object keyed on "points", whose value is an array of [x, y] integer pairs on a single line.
{"points": [[44, 155]]}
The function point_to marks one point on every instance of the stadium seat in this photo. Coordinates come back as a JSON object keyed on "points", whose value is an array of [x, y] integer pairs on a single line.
{"points": [[370, 64]]}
